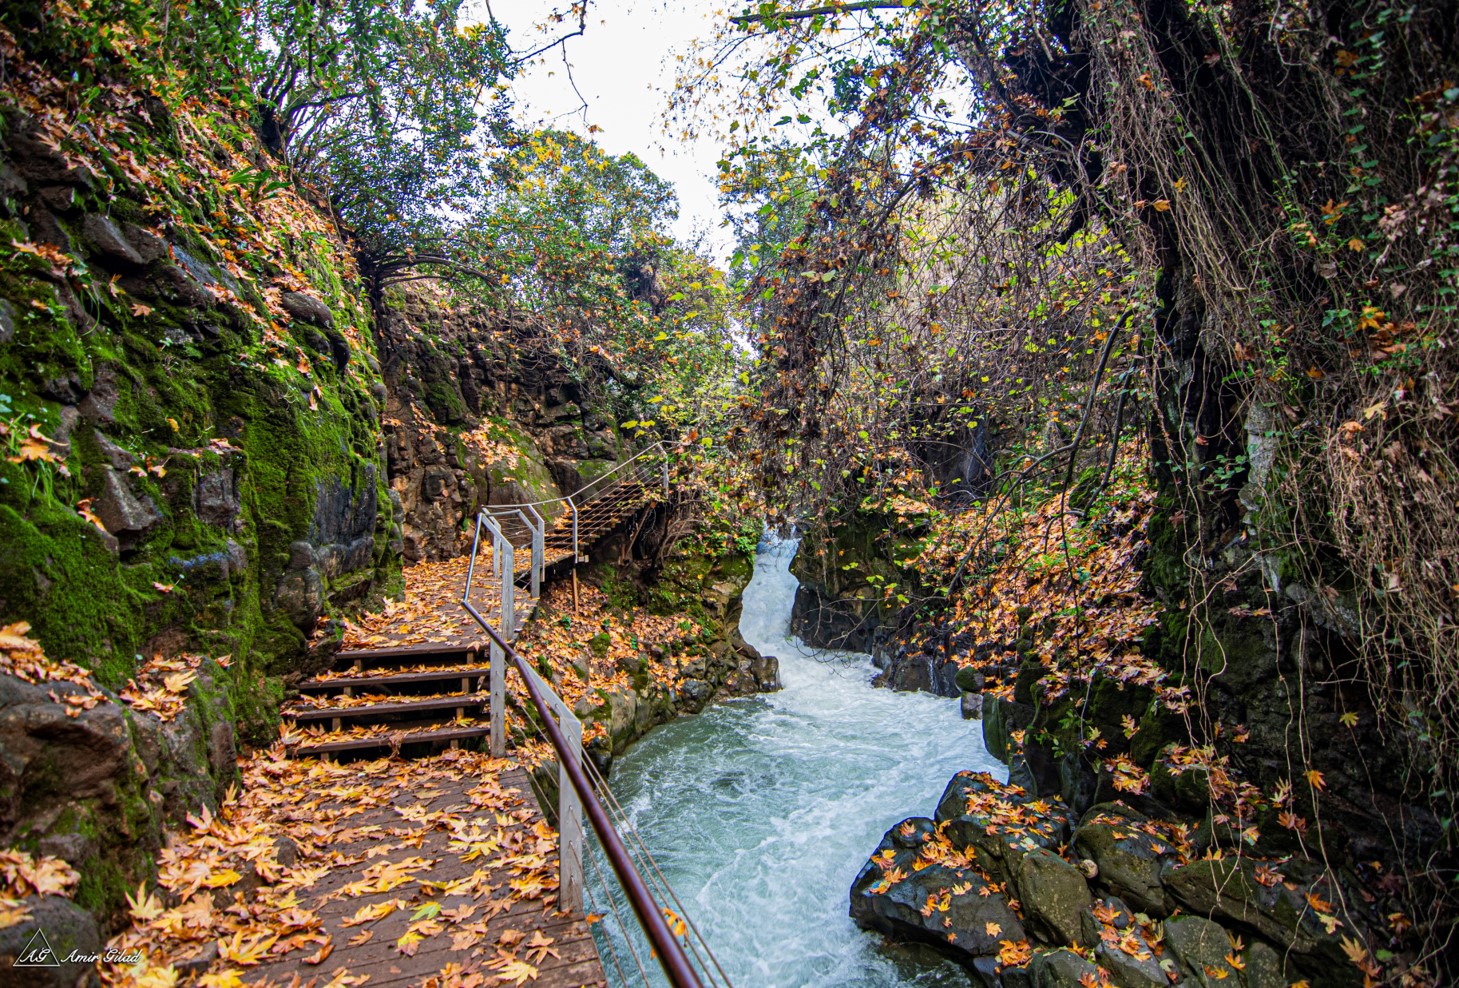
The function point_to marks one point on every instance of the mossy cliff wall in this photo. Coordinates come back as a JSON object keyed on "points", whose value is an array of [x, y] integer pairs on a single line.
{"points": [[189, 409]]}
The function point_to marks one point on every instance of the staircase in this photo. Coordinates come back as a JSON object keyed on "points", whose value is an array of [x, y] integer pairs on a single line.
{"points": [[413, 700]]}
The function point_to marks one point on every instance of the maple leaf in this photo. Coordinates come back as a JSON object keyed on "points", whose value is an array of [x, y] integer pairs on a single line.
{"points": [[1355, 951], [540, 946], [247, 952], [320, 955], [992, 929], [222, 879], [515, 971], [226, 978], [138, 309], [1314, 777]]}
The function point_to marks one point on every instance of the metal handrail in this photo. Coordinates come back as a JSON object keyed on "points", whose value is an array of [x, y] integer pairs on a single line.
{"points": [[571, 500], [660, 445], [667, 948]]}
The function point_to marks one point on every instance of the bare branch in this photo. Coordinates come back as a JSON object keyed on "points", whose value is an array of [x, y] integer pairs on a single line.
{"points": [[800, 15]]}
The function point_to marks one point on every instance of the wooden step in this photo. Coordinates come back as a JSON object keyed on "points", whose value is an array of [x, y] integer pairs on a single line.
{"points": [[435, 735], [404, 654], [388, 680], [388, 708]]}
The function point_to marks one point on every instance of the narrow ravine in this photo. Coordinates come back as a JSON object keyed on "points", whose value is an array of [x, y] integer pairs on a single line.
{"points": [[761, 811]]}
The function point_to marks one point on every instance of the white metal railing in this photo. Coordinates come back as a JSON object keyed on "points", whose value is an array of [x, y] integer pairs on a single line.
{"points": [[569, 806], [595, 490], [564, 732]]}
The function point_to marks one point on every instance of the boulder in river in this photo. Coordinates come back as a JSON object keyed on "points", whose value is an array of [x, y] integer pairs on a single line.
{"points": [[919, 888], [1128, 855], [1054, 895], [999, 823]]}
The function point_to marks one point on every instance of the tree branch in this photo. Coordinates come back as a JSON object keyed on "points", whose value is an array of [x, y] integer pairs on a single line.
{"points": [[800, 15]]}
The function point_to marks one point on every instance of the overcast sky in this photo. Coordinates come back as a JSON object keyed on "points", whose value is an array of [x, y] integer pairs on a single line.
{"points": [[624, 67]]}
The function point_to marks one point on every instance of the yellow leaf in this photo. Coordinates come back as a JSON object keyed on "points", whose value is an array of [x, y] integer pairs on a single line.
{"points": [[1349, 719], [173, 422], [1314, 777], [992, 929], [221, 879], [1161, 205]]}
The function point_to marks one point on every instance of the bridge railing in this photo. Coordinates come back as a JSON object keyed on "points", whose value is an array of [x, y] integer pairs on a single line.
{"points": [[565, 733], [648, 466]]}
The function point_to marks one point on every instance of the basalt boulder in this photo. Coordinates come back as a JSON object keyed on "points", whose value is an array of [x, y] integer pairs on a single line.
{"points": [[917, 888]]}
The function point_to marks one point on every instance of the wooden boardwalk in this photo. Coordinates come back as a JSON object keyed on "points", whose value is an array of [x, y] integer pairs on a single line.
{"points": [[447, 883]]}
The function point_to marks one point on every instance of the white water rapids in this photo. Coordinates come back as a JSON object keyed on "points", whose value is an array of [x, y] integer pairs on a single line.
{"points": [[761, 811]]}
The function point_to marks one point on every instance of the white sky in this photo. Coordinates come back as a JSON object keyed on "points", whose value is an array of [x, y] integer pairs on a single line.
{"points": [[624, 67]]}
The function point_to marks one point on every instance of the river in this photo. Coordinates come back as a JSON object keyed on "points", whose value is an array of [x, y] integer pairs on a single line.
{"points": [[760, 811]]}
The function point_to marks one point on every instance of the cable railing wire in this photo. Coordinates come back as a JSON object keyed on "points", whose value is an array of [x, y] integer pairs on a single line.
{"points": [[626, 823], [670, 953]]}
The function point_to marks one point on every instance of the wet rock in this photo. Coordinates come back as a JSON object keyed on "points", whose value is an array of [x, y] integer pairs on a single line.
{"points": [[972, 706], [1054, 894], [231, 559], [300, 595], [1000, 719], [1061, 969], [970, 680], [107, 239], [1129, 859], [99, 404], [43, 747], [119, 458], [913, 891], [1265, 968], [307, 308], [1000, 823], [1199, 946], [216, 499], [124, 514], [43, 944], [1130, 961], [766, 672], [1228, 890], [622, 717], [8, 317], [694, 694], [913, 673]]}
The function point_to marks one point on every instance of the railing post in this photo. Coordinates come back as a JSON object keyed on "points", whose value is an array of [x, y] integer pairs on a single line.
{"points": [[509, 589], [539, 551], [498, 701], [570, 821], [572, 505]]}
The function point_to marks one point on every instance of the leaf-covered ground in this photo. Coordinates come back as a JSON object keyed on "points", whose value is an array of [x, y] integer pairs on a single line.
{"points": [[433, 871]]}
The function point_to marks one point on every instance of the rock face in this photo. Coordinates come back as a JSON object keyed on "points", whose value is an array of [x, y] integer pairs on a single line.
{"points": [[95, 789], [1130, 895], [56, 930], [917, 888], [1000, 824], [539, 435], [1130, 860]]}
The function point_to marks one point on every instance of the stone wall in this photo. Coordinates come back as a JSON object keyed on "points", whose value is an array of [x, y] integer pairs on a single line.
{"points": [[453, 374]]}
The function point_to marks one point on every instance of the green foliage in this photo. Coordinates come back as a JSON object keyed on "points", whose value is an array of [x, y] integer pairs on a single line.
{"points": [[379, 106]]}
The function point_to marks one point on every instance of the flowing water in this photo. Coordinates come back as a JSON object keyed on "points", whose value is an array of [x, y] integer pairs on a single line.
{"points": [[761, 811]]}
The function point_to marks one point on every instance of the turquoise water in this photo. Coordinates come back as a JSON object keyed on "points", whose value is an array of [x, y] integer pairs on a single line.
{"points": [[761, 811]]}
